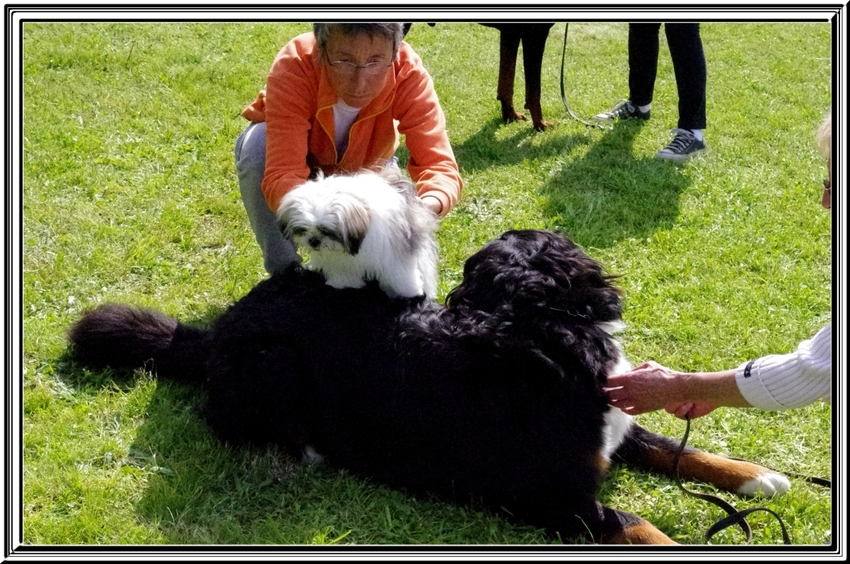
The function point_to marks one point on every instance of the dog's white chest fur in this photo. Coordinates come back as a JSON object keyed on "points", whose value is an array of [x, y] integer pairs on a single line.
{"points": [[617, 423], [366, 226]]}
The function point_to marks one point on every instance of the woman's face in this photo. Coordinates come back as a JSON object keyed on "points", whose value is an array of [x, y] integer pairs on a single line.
{"points": [[358, 66]]}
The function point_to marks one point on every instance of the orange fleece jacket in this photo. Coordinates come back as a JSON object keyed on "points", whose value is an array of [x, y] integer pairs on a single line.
{"points": [[297, 106]]}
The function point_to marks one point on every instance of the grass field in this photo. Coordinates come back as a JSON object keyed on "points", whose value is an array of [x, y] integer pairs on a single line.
{"points": [[130, 195]]}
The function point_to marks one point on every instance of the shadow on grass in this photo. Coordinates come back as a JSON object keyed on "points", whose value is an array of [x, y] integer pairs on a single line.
{"points": [[485, 148], [609, 194], [597, 199], [198, 490]]}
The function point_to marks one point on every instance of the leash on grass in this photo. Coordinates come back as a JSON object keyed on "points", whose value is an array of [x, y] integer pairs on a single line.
{"points": [[734, 516], [824, 482], [563, 95]]}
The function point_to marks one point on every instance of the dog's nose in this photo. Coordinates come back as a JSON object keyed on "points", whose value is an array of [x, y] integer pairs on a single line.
{"points": [[315, 242]]}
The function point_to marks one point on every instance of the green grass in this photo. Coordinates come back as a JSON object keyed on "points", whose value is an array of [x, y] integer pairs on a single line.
{"points": [[130, 195]]}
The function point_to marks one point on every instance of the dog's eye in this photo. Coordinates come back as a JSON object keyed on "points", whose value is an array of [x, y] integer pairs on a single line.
{"points": [[297, 231]]}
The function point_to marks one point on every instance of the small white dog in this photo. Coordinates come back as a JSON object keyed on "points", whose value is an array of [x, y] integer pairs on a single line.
{"points": [[365, 226]]}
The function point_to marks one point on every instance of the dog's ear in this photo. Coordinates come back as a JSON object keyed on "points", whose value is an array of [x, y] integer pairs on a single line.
{"points": [[537, 273], [289, 208], [285, 212], [575, 282], [353, 219], [591, 296]]}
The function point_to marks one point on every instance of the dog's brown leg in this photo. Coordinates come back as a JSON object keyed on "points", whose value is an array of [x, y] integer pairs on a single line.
{"points": [[632, 530], [656, 453], [509, 38], [587, 519], [533, 43]]}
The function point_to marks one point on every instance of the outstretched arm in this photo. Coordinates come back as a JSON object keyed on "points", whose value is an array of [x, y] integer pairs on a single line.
{"points": [[651, 386]]}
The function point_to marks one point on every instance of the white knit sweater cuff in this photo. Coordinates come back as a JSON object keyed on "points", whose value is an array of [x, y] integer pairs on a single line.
{"points": [[785, 381], [753, 388]]}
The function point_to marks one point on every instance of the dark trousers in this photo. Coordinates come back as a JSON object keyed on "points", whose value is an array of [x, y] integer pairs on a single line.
{"points": [[685, 45]]}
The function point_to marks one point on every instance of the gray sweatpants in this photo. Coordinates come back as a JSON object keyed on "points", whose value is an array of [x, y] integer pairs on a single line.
{"points": [[250, 152]]}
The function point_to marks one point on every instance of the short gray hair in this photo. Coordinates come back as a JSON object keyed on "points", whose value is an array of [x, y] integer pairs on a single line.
{"points": [[392, 31]]}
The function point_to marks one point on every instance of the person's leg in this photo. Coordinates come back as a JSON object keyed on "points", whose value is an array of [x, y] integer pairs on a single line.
{"points": [[689, 66], [250, 153], [643, 61], [643, 66]]}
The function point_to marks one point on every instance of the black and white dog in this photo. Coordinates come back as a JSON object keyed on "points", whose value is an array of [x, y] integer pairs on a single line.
{"points": [[365, 226], [496, 397]]}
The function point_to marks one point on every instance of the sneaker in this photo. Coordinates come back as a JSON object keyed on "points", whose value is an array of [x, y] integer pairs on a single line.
{"points": [[682, 147], [623, 110]]}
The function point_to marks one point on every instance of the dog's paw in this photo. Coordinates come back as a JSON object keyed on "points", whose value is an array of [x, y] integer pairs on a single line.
{"points": [[509, 114], [768, 484], [541, 125]]}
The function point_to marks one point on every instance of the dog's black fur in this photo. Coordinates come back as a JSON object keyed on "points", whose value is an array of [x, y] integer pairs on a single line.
{"points": [[495, 398]]}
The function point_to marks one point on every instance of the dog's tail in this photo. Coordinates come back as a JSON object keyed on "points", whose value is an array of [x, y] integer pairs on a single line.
{"points": [[123, 337]]}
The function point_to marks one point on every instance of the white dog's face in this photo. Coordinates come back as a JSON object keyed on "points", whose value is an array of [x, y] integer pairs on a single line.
{"points": [[324, 219], [363, 227]]}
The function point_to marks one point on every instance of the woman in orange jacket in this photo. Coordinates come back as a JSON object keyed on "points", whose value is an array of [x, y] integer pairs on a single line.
{"points": [[337, 100]]}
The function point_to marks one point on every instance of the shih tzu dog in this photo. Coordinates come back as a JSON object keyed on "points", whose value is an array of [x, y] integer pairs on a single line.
{"points": [[365, 226]]}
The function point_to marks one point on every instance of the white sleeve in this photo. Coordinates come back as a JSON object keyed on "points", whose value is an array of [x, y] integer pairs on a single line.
{"points": [[790, 380]]}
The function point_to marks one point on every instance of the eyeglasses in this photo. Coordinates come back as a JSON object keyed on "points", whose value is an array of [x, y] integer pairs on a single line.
{"points": [[348, 68]]}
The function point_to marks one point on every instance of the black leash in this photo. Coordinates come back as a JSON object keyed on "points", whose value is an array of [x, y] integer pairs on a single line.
{"points": [[811, 479], [734, 517], [563, 95]]}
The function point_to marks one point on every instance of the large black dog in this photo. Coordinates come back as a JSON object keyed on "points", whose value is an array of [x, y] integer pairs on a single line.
{"points": [[495, 398]]}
